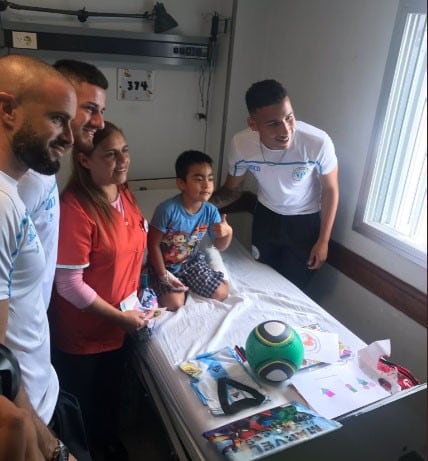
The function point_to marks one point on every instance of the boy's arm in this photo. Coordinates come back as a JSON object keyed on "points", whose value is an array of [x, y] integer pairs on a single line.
{"points": [[154, 239], [222, 234]]}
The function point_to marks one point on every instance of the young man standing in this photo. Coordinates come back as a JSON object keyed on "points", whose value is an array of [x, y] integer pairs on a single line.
{"points": [[91, 86], [40, 192], [295, 167]]}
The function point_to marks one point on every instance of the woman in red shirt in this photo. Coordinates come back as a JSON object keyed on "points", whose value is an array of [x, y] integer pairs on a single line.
{"points": [[102, 239]]}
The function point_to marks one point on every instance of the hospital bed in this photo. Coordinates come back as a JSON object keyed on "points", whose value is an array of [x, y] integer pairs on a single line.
{"points": [[384, 430]]}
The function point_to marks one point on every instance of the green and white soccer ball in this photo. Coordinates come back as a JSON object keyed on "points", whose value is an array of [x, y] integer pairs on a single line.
{"points": [[274, 351]]}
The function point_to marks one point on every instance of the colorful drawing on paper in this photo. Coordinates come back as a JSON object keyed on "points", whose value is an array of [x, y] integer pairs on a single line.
{"points": [[327, 392], [313, 346], [351, 388], [310, 342], [344, 387], [365, 384]]}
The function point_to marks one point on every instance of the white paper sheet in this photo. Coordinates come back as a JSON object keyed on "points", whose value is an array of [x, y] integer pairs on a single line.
{"points": [[320, 345], [368, 359], [338, 389]]}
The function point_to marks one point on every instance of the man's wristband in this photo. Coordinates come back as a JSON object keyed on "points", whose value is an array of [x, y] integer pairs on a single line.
{"points": [[61, 452]]}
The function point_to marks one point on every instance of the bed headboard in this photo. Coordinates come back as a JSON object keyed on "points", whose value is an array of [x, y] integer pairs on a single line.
{"points": [[149, 184], [150, 192], [148, 199]]}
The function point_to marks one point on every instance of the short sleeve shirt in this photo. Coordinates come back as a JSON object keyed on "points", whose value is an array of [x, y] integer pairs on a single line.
{"points": [[40, 195], [111, 266], [22, 263], [288, 180], [182, 231]]}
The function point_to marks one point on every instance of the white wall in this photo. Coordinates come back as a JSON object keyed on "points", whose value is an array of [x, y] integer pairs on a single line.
{"points": [[331, 56], [247, 64], [158, 130]]}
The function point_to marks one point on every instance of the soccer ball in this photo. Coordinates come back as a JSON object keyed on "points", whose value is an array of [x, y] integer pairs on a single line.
{"points": [[274, 351]]}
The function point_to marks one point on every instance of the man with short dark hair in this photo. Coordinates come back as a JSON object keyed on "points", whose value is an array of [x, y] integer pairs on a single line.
{"points": [[38, 191], [91, 86], [295, 167]]}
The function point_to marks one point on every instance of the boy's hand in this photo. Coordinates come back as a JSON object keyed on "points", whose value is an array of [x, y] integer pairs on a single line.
{"points": [[172, 282], [222, 228]]}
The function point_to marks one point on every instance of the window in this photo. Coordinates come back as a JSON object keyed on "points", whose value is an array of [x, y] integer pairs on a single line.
{"points": [[392, 206]]}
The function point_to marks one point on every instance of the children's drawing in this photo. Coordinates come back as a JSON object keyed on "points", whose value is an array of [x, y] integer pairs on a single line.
{"points": [[338, 389]]}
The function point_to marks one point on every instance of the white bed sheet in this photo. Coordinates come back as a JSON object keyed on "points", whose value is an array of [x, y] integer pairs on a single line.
{"points": [[257, 293]]}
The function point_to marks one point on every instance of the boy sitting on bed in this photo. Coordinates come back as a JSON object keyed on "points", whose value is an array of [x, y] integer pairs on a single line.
{"points": [[176, 229]]}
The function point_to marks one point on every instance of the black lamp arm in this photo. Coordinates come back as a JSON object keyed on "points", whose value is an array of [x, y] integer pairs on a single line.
{"points": [[82, 14]]}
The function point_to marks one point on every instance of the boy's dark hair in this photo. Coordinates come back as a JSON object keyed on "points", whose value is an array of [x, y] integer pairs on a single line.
{"points": [[187, 159], [264, 93], [79, 71]]}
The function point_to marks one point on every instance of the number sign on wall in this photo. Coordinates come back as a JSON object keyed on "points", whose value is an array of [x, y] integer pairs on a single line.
{"points": [[134, 84]]}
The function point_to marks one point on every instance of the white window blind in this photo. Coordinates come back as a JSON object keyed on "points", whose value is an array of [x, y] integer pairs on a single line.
{"points": [[393, 200]]}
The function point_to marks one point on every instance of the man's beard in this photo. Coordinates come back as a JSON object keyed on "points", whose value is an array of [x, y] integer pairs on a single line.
{"points": [[31, 150], [81, 144]]}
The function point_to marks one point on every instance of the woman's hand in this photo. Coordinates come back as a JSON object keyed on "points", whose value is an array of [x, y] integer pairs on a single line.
{"points": [[134, 320]]}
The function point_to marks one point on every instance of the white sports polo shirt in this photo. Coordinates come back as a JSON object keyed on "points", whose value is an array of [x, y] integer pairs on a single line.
{"points": [[288, 179], [22, 265]]}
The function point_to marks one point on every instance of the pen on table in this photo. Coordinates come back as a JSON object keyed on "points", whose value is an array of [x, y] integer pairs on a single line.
{"points": [[240, 354], [243, 352]]}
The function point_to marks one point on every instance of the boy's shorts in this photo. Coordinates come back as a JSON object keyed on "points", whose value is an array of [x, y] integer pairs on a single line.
{"points": [[196, 274]]}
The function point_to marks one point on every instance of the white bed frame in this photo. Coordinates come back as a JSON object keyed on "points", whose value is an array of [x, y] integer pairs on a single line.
{"points": [[182, 442], [397, 422]]}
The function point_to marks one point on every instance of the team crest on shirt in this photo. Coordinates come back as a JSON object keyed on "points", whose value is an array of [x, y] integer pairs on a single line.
{"points": [[28, 224], [299, 173], [31, 234]]}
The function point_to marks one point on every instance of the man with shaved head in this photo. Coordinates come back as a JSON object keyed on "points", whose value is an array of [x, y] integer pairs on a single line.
{"points": [[37, 105]]}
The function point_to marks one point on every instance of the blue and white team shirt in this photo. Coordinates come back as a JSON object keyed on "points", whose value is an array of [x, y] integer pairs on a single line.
{"points": [[288, 180], [22, 264], [39, 193], [182, 230]]}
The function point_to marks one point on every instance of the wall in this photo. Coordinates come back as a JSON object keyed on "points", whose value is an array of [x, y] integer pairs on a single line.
{"points": [[247, 59], [337, 85], [157, 130], [331, 56]]}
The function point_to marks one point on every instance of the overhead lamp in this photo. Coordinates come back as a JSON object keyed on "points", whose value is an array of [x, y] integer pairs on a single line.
{"points": [[162, 20]]}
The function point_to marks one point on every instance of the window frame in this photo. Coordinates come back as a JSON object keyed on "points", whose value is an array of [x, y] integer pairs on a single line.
{"points": [[372, 231]]}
